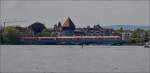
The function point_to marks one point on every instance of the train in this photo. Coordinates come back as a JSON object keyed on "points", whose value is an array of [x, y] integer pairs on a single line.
{"points": [[74, 40]]}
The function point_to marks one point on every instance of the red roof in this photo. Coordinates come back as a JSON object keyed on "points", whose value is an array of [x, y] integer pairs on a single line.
{"points": [[68, 24]]}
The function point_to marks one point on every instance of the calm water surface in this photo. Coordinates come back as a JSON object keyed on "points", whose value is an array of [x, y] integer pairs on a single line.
{"points": [[31, 58]]}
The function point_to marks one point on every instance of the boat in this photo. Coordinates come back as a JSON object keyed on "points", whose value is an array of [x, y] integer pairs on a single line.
{"points": [[147, 45]]}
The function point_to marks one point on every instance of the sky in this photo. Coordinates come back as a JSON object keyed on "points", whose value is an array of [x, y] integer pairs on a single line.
{"points": [[82, 13]]}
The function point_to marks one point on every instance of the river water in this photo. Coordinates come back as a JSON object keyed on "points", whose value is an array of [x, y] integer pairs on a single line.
{"points": [[61, 58]]}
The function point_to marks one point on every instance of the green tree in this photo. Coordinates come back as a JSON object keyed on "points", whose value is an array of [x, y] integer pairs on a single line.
{"points": [[46, 33], [38, 34], [10, 35], [54, 34], [1, 39], [137, 36]]}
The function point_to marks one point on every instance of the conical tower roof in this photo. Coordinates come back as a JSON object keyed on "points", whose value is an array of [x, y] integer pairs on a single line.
{"points": [[68, 24], [59, 24]]}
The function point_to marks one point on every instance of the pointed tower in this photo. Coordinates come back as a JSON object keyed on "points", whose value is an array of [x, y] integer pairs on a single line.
{"points": [[68, 27], [59, 27], [59, 24], [68, 24]]}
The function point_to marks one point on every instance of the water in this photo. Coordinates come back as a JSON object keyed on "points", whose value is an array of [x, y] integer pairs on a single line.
{"points": [[62, 58]]}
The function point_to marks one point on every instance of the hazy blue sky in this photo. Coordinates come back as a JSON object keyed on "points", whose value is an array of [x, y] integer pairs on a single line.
{"points": [[82, 13]]}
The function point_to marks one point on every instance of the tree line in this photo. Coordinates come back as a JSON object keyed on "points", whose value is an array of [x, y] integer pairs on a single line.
{"points": [[138, 36]]}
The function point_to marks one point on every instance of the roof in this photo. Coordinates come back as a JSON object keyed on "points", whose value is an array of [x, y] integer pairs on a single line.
{"points": [[68, 24]]}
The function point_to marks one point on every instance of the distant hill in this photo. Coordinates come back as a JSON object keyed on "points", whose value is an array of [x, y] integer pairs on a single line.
{"points": [[129, 27]]}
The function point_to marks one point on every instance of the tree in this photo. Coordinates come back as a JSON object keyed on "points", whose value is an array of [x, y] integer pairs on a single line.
{"points": [[10, 35], [54, 34], [1, 38], [46, 33], [37, 27], [137, 36]]}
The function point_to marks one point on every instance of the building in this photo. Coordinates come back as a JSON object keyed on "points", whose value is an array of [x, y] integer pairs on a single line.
{"points": [[126, 35], [97, 30], [58, 29], [24, 32], [68, 28]]}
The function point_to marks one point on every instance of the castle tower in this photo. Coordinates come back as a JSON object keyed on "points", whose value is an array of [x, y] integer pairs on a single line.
{"points": [[68, 27]]}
